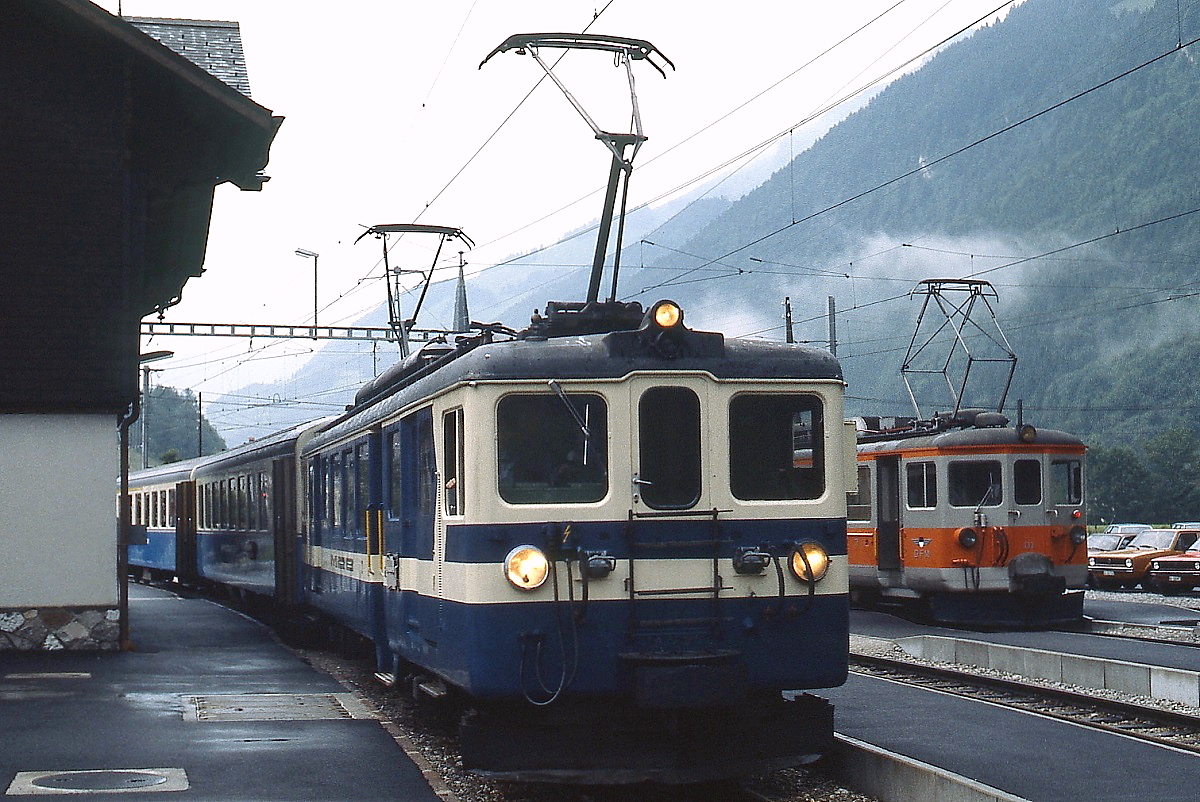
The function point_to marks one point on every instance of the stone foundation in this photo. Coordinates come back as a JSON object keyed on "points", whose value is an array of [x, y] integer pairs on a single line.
{"points": [[56, 628]]}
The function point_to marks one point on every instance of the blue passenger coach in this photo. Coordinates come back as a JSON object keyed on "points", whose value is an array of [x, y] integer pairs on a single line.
{"points": [[162, 512], [598, 525], [246, 515]]}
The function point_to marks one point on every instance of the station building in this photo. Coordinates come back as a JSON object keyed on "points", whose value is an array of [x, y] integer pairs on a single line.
{"points": [[113, 144]]}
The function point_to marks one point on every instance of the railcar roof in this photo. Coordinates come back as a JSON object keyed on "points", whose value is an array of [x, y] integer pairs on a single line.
{"points": [[276, 444], [592, 356], [961, 438], [160, 474]]}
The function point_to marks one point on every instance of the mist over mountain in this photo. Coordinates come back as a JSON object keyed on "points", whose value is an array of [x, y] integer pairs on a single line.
{"points": [[1038, 154]]}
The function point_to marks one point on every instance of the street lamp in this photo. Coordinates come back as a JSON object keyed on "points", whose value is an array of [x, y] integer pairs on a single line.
{"points": [[152, 356], [313, 256]]}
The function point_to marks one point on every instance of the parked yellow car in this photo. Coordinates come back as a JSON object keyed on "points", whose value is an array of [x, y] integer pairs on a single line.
{"points": [[1126, 567], [1175, 572]]}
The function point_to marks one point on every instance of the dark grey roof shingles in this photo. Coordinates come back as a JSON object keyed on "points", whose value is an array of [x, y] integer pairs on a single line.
{"points": [[214, 46]]}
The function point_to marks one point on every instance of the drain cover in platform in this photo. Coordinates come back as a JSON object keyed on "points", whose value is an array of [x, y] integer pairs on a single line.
{"points": [[97, 781], [274, 707]]}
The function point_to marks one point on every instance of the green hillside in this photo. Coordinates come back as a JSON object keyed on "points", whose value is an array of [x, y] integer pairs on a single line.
{"points": [[1113, 159]]}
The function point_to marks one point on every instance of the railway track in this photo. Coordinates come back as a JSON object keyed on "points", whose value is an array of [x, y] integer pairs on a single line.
{"points": [[1150, 724]]}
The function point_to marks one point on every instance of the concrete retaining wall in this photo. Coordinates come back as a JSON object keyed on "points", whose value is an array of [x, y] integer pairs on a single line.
{"points": [[1173, 684], [890, 777]]}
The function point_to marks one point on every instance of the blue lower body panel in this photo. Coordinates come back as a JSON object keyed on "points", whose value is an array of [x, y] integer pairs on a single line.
{"points": [[532, 650], [157, 553], [244, 560]]}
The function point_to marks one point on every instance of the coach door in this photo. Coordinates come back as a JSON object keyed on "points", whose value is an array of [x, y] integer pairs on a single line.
{"points": [[185, 531], [418, 489], [280, 515], [887, 531]]}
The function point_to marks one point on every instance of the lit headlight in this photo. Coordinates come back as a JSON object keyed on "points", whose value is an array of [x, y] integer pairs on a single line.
{"points": [[667, 314], [809, 562], [526, 567]]}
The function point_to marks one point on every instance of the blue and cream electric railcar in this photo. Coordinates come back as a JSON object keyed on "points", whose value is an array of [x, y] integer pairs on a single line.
{"points": [[598, 533]]}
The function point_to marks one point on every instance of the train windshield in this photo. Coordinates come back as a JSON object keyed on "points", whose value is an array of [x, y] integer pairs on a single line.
{"points": [[552, 448], [975, 483], [776, 447]]}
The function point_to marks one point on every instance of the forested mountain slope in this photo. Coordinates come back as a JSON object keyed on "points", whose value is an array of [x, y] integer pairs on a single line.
{"points": [[965, 167]]}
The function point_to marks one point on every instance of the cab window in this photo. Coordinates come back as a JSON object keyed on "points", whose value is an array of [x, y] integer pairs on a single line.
{"points": [[922, 485], [1027, 481], [452, 451], [1066, 481], [669, 448], [776, 447], [552, 449], [858, 503], [975, 483]]}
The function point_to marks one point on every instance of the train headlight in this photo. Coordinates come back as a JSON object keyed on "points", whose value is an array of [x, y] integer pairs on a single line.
{"points": [[809, 561], [968, 538], [526, 567], [1026, 433], [667, 314], [1078, 535]]}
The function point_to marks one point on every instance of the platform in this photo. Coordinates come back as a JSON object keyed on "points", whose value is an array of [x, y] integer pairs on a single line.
{"points": [[208, 706]]}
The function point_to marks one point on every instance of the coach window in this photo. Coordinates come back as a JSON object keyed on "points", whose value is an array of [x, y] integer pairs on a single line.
{"points": [[669, 448], [452, 452], [395, 463], [362, 481], [266, 511], [858, 503], [252, 502], [552, 449], [1027, 481], [922, 485], [316, 499], [1066, 481], [975, 483], [346, 510], [426, 465], [776, 447], [335, 491]]}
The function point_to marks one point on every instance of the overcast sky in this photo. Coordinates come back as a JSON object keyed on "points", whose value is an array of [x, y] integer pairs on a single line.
{"points": [[389, 119]]}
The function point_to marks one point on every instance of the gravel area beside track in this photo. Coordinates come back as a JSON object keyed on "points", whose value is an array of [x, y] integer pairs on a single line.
{"points": [[430, 738]]}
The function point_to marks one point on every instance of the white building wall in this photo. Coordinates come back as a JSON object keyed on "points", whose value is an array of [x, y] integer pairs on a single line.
{"points": [[58, 526]]}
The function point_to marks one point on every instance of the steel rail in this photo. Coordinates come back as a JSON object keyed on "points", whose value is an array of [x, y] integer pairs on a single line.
{"points": [[1181, 730]]}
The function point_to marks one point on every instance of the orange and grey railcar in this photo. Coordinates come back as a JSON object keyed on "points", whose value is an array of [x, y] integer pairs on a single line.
{"points": [[980, 521]]}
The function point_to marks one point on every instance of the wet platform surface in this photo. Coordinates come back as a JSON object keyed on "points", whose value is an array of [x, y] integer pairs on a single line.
{"points": [[208, 706]]}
